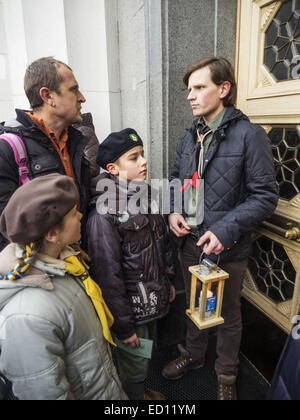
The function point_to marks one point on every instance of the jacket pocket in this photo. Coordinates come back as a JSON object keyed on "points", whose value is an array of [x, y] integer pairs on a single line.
{"points": [[136, 236], [84, 368], [233, 154], [149, 300], [42, 165]]}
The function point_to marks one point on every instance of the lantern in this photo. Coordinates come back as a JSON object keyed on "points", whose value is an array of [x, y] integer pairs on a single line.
{"points": [[208, 314]]}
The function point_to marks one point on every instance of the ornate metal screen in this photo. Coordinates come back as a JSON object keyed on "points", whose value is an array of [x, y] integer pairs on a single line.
{"points": [[272, 270], [282, 41], [286, 152]]}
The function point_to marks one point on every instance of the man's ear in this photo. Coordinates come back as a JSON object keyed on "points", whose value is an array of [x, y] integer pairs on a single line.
{"points": [[225, 89], [113, 169], [47, 96], [52, 236]]}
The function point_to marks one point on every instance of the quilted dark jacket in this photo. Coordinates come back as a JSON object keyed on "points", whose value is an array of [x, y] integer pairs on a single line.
{"points": [[6, 393], [286, 381], [131, 258], [43, 159], [239, 178]]}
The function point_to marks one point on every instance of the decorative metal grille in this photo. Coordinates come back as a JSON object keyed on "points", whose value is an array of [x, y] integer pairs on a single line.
{"points": [[272, 270], [286, 152], [282, 42]]}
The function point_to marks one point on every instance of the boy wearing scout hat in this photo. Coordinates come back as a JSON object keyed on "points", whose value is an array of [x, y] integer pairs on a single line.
{"points": [[53, 318], [131, 257]]}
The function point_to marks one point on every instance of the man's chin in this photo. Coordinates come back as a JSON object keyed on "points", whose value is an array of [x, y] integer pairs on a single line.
{"points": [[197, 113], [78, 119]]}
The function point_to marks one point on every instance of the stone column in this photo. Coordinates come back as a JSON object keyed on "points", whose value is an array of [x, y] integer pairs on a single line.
{"points": [[17, 55], [180, 32], [6, 100], [80, 33], [91, 30], [133, 67]]}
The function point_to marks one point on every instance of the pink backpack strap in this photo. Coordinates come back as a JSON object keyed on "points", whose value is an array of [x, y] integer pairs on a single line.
{"points": [[18, 147]]}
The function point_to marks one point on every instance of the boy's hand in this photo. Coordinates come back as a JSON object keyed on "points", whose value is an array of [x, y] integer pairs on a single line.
{"points": [[178, 225], [213, 247], [133, 341], [172, 294]]}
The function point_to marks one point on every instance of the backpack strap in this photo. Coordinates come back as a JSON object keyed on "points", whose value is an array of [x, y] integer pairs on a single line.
{"points": [[18, 147]]}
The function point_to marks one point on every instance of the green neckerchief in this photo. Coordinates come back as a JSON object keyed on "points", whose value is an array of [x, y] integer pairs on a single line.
{"points": [[213, 125], [193, 200]]}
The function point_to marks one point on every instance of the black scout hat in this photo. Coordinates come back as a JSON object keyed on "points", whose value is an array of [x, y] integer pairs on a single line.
{"points": [[38, 206], [116, 144]]}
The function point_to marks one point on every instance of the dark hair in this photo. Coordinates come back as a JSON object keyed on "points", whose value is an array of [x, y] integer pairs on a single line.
{"points": [[221, 71], [42, 73]]}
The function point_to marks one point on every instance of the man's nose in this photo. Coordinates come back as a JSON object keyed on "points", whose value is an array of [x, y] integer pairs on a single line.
{"points": [[191, 96], [81, 98]]}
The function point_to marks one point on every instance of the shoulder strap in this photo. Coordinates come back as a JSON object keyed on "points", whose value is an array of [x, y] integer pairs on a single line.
{"points": [[18, 147]]}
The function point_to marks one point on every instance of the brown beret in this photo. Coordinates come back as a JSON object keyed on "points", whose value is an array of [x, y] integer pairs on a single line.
{"points": [[38, 206]]}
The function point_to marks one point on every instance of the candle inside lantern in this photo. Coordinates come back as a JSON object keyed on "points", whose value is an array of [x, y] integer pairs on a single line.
{"points": [[210, 303]]}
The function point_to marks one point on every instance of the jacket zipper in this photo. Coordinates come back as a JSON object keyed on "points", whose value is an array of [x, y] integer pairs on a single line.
{"points": [[201, 138], [144, 293]]}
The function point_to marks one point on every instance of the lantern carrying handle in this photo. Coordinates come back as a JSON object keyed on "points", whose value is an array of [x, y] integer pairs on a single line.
{"points": [[202, 258]]}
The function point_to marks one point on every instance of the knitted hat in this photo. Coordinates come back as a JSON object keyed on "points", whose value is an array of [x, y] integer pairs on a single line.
{"points": [[38, 206], [116, 144]]}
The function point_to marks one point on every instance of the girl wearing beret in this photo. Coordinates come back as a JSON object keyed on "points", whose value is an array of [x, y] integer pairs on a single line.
{"points": [[54, 323]]}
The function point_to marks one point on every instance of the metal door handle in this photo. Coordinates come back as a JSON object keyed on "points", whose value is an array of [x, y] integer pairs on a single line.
{"points": [[293, 234]]}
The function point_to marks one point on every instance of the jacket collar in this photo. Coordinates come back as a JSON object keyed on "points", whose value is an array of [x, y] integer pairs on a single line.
{"points": [[232, 114], [75, 136], [42, 270], [120, 193], [214, 124]]}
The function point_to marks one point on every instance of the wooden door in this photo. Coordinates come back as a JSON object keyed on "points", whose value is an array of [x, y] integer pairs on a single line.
{"points": [[268, 72]]}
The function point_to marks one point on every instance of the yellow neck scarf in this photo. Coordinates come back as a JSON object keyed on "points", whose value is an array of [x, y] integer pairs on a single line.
{"points": [[78, 269]]}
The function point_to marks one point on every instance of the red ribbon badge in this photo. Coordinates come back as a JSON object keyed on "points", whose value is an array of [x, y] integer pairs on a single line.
{"points": [[194, 182]]}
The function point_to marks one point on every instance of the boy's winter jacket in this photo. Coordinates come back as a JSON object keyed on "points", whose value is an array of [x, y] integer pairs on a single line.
{"points": [[51, 341], [131, 258], [43, 159], [239, 178]]}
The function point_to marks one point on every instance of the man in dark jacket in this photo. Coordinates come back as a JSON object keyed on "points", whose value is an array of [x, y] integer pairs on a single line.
{"points": [[286, 381], [52, 144], [6, 393], [225, 163]]}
